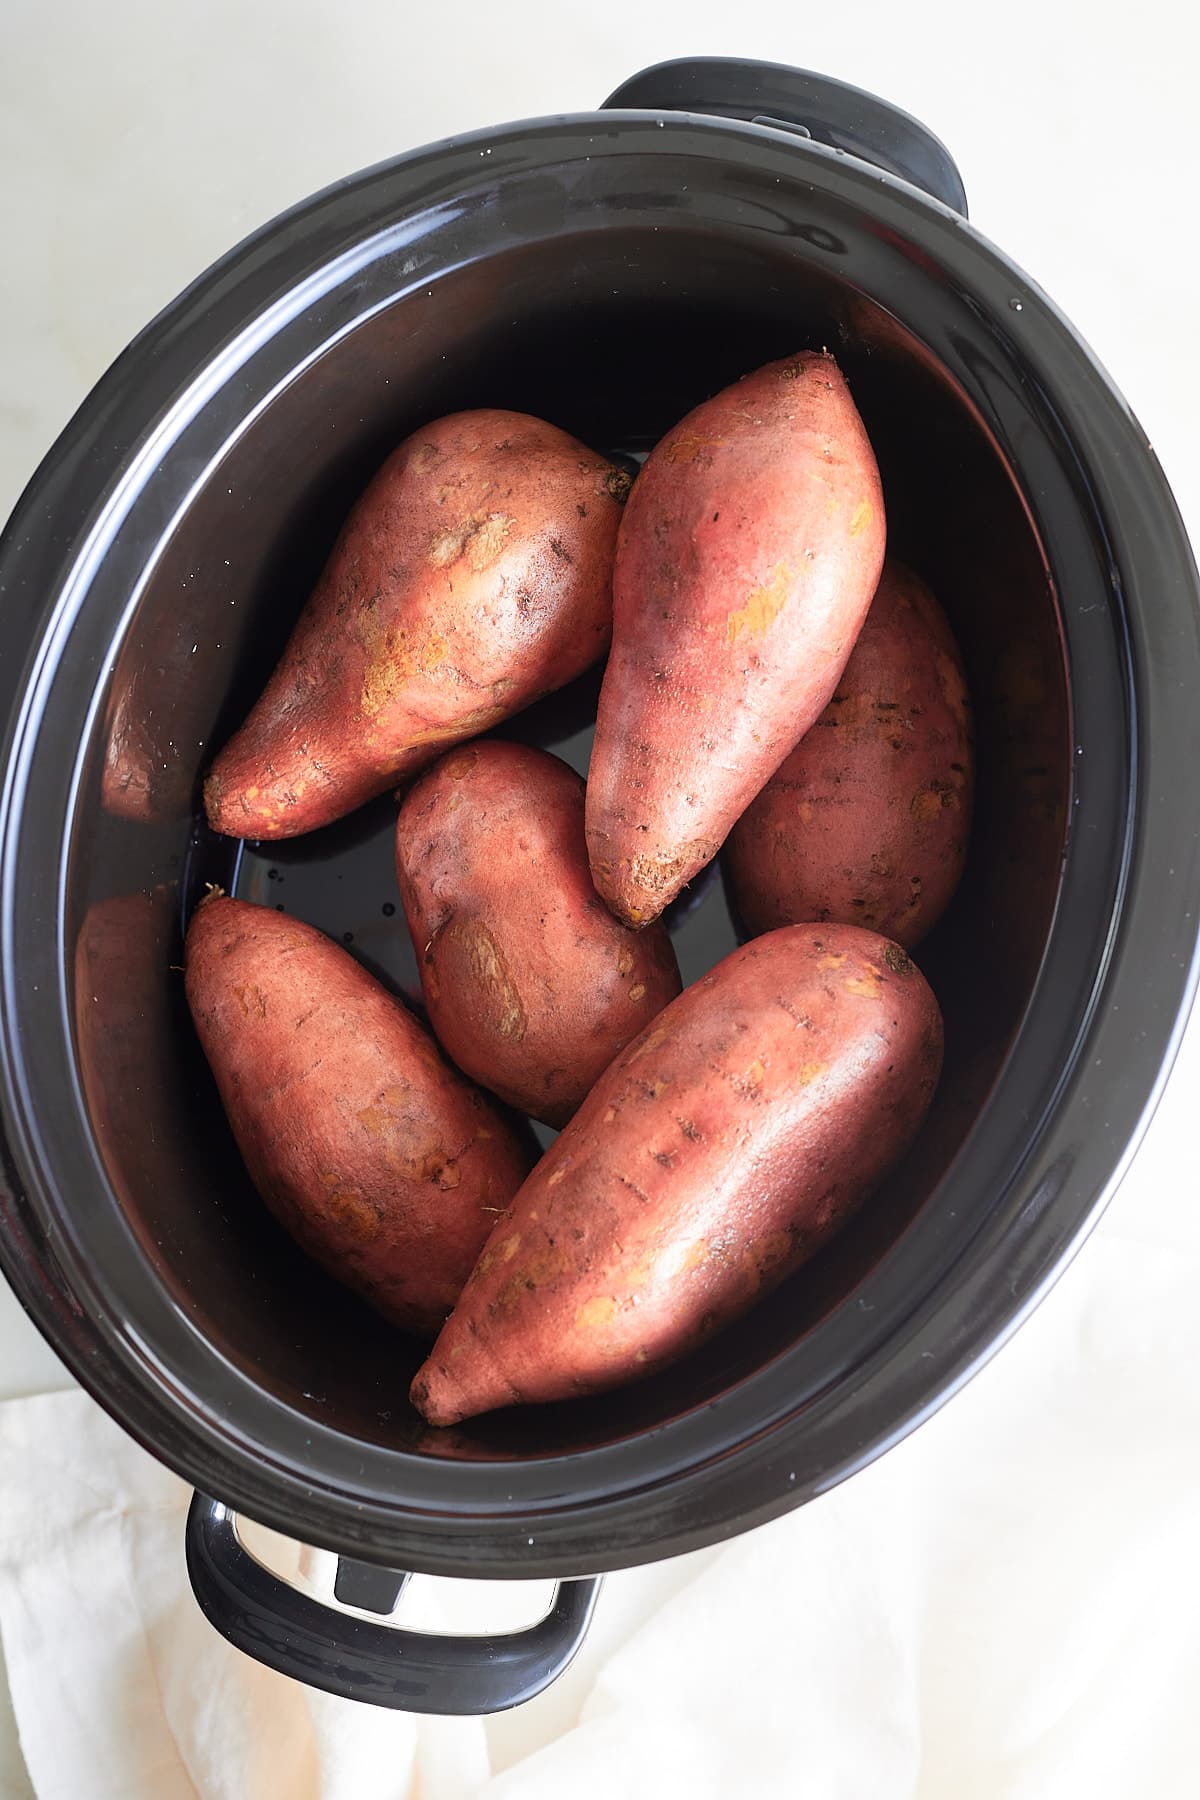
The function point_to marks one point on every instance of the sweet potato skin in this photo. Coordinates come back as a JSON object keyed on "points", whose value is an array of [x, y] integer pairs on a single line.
{"points": [[867, 820], [381, 1161], [718, 1152], [746, 561], [531, 985], [472, 576]]}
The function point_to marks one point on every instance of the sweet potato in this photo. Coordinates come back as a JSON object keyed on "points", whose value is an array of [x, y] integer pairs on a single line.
{"points": [[384, 1164], [746, 561], [530, 983], [867, 820], [718, 1152], [474, 574]]}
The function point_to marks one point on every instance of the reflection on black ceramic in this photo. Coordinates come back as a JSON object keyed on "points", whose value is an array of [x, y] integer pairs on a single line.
{"points": [[127, 1019]]}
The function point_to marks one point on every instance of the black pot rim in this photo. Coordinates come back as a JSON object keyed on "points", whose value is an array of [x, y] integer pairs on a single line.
{"points": [[1081, 1079]]}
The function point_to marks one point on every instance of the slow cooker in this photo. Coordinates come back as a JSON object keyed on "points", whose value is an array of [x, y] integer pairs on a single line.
{"points": [[606, 271]]}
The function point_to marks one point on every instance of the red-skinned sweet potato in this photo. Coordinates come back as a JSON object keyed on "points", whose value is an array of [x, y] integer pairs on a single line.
{"points": [[474, 574], [746, 561], [718, 1152], [867, 820], [384, 1164], [531, 985]]}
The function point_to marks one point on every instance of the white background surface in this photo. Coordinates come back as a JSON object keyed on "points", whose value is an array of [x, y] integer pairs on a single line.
{"points": [[138, 141]]}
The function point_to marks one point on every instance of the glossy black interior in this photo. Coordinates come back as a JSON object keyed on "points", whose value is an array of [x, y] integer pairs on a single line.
{"points": [[612, 338]]}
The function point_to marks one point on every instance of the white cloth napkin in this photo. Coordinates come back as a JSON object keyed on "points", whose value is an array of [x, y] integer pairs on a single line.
{"points": [[1005, 1607]]}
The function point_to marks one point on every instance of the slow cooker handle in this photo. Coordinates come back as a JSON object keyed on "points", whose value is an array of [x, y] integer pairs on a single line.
{"points": [[843, 117], [412, 1671]]}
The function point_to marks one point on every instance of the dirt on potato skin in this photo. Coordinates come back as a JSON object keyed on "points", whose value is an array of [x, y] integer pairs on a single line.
{"points": [[383, 1163], [473, 576], [747, 556], [867, 821], [718, 1152], [531, 985]]}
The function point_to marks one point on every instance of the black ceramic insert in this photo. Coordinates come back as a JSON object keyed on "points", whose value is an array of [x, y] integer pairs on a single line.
{"points": [[606, 271]]}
